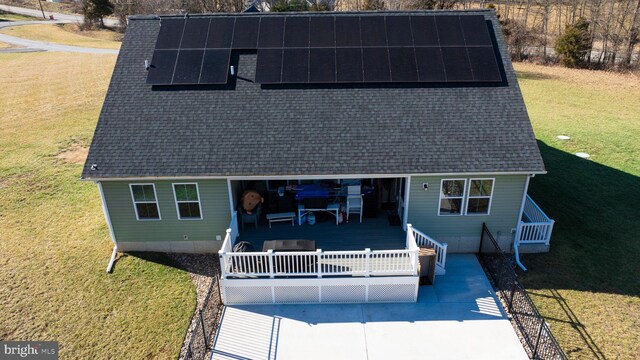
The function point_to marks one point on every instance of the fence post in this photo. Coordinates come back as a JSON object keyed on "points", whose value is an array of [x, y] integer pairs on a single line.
{"points": [[217, 280], [535, 348], [204, 331], [481, 239], [270, 256], [513, 291]]}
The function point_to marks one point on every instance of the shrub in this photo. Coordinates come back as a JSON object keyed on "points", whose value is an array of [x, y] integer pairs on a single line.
{"points": [[574, 44]]}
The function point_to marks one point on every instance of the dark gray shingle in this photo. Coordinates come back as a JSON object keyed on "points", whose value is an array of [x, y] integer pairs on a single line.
{"points": [[304, 130]]}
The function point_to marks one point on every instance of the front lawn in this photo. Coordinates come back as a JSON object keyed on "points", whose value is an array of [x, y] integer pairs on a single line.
{"points": [[588, 286], [54, 242]]}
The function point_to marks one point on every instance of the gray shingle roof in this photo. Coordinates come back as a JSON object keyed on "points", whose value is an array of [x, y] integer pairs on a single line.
{"points": [[247, 129]]}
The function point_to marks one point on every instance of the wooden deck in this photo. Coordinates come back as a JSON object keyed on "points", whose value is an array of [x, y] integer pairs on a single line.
{"points": [[372, 233]]}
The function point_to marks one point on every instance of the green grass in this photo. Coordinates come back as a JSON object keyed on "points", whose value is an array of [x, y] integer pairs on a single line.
{"points": [[54, 243], [15, 17], [588, 286]]}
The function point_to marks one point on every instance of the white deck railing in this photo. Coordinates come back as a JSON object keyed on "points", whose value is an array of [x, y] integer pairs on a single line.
{"points": [[415, 236], [535, 227]]}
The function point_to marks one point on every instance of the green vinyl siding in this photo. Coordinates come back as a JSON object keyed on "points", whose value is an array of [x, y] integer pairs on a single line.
{"points": [[214, 200], [505, 207]]}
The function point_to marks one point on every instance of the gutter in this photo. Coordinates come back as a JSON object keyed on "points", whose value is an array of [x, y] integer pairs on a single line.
{"points": [[108, 219], [515, 240]]}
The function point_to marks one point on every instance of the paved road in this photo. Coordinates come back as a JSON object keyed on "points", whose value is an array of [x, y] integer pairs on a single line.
{"points": [[57, 16], [27, 45]]}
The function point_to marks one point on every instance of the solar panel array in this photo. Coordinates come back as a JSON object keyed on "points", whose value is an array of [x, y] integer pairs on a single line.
{"points": [[328, 49]]}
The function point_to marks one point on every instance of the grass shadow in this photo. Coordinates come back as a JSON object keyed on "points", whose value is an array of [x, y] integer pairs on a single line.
{"points": [[594, 244]]}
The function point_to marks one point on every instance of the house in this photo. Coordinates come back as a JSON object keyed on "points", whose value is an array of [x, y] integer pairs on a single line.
{"points": [[366, 135]]}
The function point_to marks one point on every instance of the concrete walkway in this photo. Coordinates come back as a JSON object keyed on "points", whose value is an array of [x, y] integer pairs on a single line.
{"points": [[458, 318], [27, 45]]}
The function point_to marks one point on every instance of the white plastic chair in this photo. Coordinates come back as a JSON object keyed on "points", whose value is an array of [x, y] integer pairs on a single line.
{"points": [[354, 201]]}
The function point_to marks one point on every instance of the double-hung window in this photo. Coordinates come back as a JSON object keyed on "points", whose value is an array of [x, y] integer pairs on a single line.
{"points": [[187, 199], [479, 198], [452, 196], [145, 201]]}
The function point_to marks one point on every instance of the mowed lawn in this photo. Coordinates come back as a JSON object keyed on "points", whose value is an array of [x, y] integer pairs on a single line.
{"points": [[66, 34], [588, 286], [54, 243]]}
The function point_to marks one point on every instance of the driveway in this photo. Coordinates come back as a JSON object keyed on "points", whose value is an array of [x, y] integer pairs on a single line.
{"points": [[458, 318], [58, 16]]}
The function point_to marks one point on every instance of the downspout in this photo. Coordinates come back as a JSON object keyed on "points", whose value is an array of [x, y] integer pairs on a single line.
{"points": [[516, 243], [114, 253]]}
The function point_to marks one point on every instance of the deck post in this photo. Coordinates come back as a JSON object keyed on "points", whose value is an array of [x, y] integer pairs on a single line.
{"points": [[270, 257], [367, 271], [318, 263]]}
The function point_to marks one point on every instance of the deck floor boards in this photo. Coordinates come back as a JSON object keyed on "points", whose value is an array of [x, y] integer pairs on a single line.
{"points": [[372, 233]]}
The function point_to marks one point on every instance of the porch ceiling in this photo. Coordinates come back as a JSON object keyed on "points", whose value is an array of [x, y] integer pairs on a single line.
{"points": [[372, 233]]}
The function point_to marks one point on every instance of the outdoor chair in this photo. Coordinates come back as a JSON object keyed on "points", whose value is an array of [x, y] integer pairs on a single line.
{"points": [[354, 201]]}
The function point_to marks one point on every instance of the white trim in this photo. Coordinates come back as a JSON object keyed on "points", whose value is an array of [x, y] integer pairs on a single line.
{"points": [[407, 186], [133, 200], [105, 209], [315, 176], [462, 205], [175, 199], [466, 207], [231, 207]]}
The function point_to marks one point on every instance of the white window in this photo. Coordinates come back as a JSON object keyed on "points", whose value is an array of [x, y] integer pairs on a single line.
{"points": [[187, 199], [145, 201], [479, 196], [452, 196]]}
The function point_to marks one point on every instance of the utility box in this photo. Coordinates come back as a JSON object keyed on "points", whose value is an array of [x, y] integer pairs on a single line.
{"points": [[427, 261]]}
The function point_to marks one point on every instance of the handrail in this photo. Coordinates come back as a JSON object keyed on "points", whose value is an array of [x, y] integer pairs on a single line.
{"points": [[422, 239], [531, 206]]}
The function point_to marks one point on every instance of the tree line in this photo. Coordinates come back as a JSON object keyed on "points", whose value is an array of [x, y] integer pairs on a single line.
{"points": [[601, 34]]}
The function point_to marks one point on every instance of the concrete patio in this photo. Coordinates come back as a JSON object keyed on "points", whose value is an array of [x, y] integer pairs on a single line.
{"points": [[457, 318]]}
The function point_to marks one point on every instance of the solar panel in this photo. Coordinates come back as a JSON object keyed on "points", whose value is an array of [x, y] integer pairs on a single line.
{"points": [[484, 64], [430, 64], [215, 66], [162, 65], [324, 48], [296, 31], [349, 64], [322, 65], [449, 31], [170, 33], [322, 31], [474, 28], [372, 31], [375, 64], [271, 32], [269, 66], [347, 31], [245, 33], [195, 33], [295, 66], [403, 64], [424, 31], [456, 64], [221, 33], [399, 31], [188, 67]]}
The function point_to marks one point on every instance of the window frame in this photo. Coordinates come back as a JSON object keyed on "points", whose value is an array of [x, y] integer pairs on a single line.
{"points": [[463, 197], [469, 196], [175, 200], [133, 199]]}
